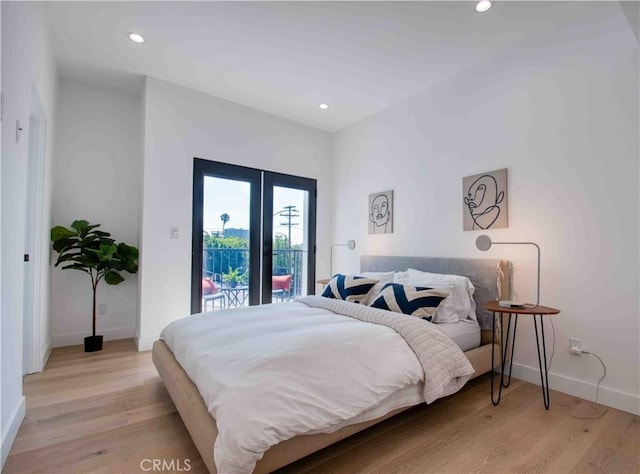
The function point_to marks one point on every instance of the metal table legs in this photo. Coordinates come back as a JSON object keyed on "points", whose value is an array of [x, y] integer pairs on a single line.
{"points": [[544, 374], [504, 348]]}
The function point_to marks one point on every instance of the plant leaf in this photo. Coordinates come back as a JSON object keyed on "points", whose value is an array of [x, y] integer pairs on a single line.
{"points": [[59, 232], [106, 252], [79, 225], [68, 256], [60, 245], [127, 251], [76, 266], [129, 257], [113, 278]]}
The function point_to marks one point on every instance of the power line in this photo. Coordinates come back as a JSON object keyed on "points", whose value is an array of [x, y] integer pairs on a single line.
{"points": [[289, 212]]}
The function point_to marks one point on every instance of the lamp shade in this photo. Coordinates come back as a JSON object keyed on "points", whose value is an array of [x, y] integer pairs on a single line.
{"points": [[483, 243]]}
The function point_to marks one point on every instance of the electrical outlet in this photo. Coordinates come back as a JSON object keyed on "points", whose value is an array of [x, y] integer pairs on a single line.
{"points": [[575, 346], [102, 309]]}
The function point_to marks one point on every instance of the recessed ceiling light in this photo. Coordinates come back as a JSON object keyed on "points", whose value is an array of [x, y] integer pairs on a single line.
{"points": [[136, 38], [324, 106], [483, 5]]}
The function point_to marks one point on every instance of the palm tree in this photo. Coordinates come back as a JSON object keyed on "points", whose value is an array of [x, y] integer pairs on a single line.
{"points": [[224, 218]]}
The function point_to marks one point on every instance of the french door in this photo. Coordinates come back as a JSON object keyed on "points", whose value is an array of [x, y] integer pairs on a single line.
{"points": [[253, 236]]}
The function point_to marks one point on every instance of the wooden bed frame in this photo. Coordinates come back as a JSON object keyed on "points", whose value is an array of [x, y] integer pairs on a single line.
{"points": [[492, 281]]}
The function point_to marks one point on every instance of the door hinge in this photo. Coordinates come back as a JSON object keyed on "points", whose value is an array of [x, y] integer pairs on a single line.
{"points": [[26, 257]]}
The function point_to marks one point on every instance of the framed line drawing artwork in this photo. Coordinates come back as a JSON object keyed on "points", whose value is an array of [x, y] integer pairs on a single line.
{"points": [[381, 213], [484, 201]]}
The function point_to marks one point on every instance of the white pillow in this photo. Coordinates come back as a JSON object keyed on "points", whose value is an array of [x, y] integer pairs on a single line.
{"points": [[459, 305], [401, 277], [382, 277]]}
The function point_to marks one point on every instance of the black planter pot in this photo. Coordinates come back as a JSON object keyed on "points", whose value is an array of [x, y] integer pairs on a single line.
{"points": [[93, 343]]}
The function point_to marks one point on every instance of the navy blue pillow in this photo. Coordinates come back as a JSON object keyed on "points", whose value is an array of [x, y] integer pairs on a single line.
{"points": [[348, 287], [418, 301]]}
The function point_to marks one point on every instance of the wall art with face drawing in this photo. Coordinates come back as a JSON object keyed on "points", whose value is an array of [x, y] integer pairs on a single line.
{"points": [[381, 213], [485, 201]]}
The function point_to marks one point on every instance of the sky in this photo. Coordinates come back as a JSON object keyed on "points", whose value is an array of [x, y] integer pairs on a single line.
{"points": [[232, 197]]}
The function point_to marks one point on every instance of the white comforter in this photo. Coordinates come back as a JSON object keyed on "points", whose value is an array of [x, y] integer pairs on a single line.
{"points": [[269, 373]]}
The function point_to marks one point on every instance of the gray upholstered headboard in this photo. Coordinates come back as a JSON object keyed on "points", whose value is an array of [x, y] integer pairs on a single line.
{"points": [[491, 277]]}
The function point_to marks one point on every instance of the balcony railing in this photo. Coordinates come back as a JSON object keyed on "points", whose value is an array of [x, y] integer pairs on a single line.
{"points": [[217, 261]]}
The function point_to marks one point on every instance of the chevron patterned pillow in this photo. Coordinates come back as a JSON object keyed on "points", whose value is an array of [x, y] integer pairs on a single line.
{"points": [[418, 301], [348, 287]]}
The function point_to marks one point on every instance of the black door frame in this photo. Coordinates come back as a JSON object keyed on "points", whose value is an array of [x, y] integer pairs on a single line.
{"points": [[217, 169], [272, 179], [261, 200]]}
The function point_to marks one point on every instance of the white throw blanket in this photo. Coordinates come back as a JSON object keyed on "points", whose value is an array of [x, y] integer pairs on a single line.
{"points": [[269, 373]]}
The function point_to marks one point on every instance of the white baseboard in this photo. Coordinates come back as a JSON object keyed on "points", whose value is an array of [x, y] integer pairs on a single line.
{"points": [[9, 434], [62, 340], [145, 343], [628, 402]]}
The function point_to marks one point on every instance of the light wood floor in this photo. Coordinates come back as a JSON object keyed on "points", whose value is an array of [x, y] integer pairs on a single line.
{"points": [[108, 411]]}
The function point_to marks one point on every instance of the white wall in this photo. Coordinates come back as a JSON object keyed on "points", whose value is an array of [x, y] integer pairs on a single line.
{"points": [[181, 124], [97, 178], [561, 113], [27, 64]]}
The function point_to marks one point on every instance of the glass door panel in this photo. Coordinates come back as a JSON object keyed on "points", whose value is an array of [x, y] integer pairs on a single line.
{"points": [[226, 268], [226, 236], [289, 228], [290, 243]]}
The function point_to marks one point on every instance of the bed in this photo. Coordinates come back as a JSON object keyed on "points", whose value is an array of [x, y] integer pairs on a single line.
{"points": [[491, 279]]}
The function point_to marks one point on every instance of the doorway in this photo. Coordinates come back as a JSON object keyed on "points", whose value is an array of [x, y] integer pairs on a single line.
{"points": [[253, 236], [33, 307]]}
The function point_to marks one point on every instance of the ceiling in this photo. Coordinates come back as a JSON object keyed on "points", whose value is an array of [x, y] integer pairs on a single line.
{"points": [[286, 58]]}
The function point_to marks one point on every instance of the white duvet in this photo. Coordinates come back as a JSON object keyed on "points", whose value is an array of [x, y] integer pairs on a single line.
{"points": [[269, 373]]}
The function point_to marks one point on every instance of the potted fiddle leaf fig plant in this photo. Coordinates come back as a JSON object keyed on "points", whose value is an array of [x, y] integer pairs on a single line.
{"points": [[94, 252]]}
